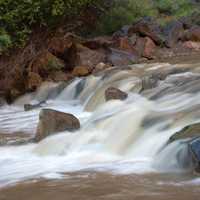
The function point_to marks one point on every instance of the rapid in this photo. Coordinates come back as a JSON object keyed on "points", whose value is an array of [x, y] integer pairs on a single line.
{"points": [[123, 149]]}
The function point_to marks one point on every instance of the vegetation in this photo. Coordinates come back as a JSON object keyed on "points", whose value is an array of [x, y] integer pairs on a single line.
{"points": [[17, 18], [128, 11]]}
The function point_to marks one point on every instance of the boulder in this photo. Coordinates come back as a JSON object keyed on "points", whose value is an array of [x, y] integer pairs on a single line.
{"points": [[126, 44], [51, 121], [189, 131], [98, 42], [194, 147], [118, 57], [193, 34], [149, 48], [123, 32], [173, 32], [88, 57], [192, 45], [28, 107], [45, 63], [147, 27], [81, 71], [113, 93]]}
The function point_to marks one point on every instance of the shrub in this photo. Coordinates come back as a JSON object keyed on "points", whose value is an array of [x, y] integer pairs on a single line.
{"points": [[17, 17], [125, 12]]}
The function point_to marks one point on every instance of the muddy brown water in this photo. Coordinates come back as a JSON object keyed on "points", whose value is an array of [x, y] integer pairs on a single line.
{"points": [[102, 186]]}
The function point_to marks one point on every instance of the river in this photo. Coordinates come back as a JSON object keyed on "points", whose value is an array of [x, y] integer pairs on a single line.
{"points": [[122, 150]]}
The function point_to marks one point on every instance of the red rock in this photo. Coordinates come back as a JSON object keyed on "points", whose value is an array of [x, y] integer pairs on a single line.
{"points": [[45, 63], [192, 45], [98, 42], [88, 57], [149, 48], [192, 34], [125, 44]]}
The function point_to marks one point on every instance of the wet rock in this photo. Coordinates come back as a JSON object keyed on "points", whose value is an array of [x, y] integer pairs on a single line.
{"points": [[81, 71], [45, 63], [193, 34], [100, 67], [173, 32], [194, 147], [118, 57], [148, 27], [51, 121], [28, 107], [149, 48], [114, 93], [189, 131], [149, 82]]}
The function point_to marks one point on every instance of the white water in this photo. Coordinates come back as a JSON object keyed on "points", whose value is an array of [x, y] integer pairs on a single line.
{"points": [[113, 135]]}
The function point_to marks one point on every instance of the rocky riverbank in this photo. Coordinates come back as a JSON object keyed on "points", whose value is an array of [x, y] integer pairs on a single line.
{"points": [[64, 56]]}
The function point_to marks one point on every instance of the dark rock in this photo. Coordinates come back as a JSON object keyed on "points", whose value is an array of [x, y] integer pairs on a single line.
{"points": [[28, 107], [189, 131], [148, 27], [114, 93], [173, 32], [194, 147], [51, 121]]}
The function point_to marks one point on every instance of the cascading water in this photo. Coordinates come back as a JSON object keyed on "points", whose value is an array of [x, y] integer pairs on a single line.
{"points": [[128, 136]]}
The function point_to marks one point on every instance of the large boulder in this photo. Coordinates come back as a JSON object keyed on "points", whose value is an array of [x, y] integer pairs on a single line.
{"points": [[114, 93], [149, 48], [193, 34], [148, 27], [45, 63], [173, 32], [89, 57], [51, 121], [119, 57], [189, 131], [192, 45]]}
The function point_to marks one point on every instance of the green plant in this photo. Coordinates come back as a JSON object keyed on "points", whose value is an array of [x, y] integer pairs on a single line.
{"points": [[125, 12], [18, 17]]}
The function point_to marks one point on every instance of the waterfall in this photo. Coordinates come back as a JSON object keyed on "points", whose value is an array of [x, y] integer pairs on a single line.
{"points": [[130, 136]]}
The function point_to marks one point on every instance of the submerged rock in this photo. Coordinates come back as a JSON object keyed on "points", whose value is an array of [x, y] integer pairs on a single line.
{"points": [[52, 121], [114, 93], [189, 131]]}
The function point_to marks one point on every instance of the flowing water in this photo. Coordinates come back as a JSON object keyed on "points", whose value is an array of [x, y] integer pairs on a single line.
{"points": [[122, 150]]}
